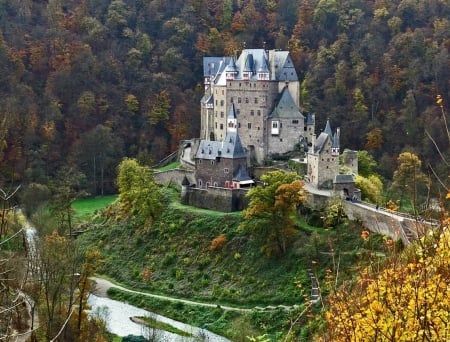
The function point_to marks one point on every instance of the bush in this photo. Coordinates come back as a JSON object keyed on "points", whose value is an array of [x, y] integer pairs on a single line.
{"points": [[218, 243]]}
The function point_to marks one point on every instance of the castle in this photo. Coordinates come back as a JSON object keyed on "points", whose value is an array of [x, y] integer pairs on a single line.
{"points": [[250, 114]]}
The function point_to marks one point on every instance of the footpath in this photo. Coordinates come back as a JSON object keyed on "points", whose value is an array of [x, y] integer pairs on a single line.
{"points": [[102, 285]]}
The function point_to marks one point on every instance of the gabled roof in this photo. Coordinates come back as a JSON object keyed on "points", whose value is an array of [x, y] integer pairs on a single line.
{"points": [[286, 108], [278, 63], [214, 65], [282, 66], [230, 147]]}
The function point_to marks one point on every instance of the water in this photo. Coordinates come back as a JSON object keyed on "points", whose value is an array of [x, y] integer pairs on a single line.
{"points": [[117, 316]]}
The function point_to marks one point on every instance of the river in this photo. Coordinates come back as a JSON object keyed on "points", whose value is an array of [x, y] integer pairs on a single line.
{"points": [[118, 321]]}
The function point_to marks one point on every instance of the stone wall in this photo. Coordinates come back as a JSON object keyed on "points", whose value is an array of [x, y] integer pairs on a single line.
{"points": [[289, 135], [219, 199], [174, 176], [384, 222]]}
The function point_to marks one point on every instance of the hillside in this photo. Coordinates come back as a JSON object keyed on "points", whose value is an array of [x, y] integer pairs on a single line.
{"points": [[128, 74], [178, 258]]}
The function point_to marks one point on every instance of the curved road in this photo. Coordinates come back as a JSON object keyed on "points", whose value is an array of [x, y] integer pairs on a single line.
{"points": [[101, 287]]}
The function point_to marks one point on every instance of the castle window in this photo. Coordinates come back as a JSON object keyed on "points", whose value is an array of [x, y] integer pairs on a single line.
{"points": [[295, 122], [239, 100], [216, 102], [239, 125], [216, 125], [252, 112], [231, 100], [221, 126], [259, 128], [221, 114], [223, 92], [281, 139], [212, 162], [238, 111], [256, 100], [240, 84], [226, 170], [246, 100], [249, 125], [221, 102], [216, 184], [216, 114], [200, 183], [258, 112], [199, 161]]}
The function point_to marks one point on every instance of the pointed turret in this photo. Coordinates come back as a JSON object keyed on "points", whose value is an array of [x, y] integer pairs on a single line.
{"points": [[328, 129], [335, 143], [232, 120]]}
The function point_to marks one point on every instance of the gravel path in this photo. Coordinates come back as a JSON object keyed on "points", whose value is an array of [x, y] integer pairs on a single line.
{"points": [[101, 287]]}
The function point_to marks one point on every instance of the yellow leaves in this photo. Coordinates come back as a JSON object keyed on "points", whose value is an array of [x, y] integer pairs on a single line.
{"points": [[439, 100], [404, 302]]}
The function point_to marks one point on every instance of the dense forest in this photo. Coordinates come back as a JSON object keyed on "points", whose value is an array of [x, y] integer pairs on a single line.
{"points": [[84, 83]]}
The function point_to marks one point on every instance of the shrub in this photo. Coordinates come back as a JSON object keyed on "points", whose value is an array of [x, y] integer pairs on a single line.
{"points": [[218, 243]]}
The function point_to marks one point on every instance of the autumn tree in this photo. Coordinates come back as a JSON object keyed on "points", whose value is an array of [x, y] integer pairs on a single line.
{"points": [[406, 301], [269, 216], [408, 177], [160, 109], [139, 196]]}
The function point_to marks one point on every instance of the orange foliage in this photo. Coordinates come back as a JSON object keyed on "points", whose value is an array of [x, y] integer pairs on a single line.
{"points": [[218, 243]]}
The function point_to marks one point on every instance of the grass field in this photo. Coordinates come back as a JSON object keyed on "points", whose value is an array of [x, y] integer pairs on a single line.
{"points": [[85, 207]]}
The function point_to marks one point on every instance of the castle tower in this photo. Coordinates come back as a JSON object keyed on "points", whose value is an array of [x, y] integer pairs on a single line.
{"points": [[323, 159]]}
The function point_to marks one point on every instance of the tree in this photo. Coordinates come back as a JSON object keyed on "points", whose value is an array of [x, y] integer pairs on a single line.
{"points": [[406, 301], [68, 185], [371, 187], [268, 217], [408, 176], [139, 195], [366, 164], [161, 108]]}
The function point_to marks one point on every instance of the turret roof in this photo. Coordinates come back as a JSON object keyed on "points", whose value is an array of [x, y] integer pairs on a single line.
{"points": [[241, 174]]}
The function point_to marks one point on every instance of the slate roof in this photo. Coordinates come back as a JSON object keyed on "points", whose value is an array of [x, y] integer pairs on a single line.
{"points": [[240, 174], [286, 108], [230, 147], [310, 119], [320, 142], [282, 66], [278, 63], [214, 65]]}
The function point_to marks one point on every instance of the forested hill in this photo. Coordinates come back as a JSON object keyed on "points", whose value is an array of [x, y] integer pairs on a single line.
{"points": [[86, 82]]}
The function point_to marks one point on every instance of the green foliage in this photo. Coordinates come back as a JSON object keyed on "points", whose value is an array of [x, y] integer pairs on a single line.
{"points": [[268, 217], [371, 188], [139, 195], [366, 164]]}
